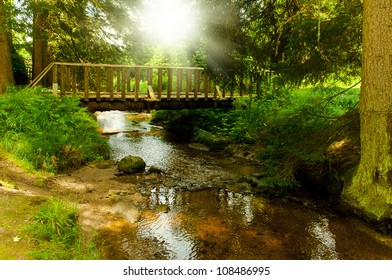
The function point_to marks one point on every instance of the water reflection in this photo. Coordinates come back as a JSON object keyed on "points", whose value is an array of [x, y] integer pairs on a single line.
{"points": [[192, 211], [323, 240], [151, 148]]}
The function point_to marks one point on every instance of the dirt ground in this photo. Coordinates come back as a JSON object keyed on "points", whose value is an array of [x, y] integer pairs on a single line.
{"points": [[94, 189]]}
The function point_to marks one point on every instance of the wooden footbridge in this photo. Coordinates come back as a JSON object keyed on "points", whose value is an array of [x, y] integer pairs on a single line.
{"points": [[105, 87]]}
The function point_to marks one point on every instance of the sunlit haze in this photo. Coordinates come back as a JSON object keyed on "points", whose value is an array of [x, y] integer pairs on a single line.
{"points": [[168, 22]]}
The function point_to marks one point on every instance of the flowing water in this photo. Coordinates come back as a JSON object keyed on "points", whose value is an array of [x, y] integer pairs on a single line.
{"points": [[199, 207]]}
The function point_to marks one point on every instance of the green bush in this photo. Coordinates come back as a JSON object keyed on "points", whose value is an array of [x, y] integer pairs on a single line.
{"points": [[48, 132]]}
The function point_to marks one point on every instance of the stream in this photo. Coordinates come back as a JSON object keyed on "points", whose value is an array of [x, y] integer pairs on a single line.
{"points": [[195, 205]]}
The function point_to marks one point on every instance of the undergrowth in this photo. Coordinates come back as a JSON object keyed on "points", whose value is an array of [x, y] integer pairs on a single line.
{"points": [[290, 127], [56, 232], [47, 132]]}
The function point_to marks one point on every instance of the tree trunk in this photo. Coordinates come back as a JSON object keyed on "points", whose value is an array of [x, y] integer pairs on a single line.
{"points": [[41, 57], [370, 192], [6, 74]]}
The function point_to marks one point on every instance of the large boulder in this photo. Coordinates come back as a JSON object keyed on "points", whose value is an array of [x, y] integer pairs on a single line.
{"points": [[131, 164]]}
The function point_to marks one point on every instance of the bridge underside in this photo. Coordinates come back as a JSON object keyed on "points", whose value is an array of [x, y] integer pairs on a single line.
{"points": [[105, 104]]}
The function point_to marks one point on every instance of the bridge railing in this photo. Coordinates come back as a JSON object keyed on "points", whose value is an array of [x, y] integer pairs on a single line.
{"points": [[124, 82]]}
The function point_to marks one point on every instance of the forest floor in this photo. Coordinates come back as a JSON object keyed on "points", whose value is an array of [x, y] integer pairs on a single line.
{"points": [[90, 188]]}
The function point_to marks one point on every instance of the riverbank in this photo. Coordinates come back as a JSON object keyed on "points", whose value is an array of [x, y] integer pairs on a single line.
{"points": [[190, 203], [273, 229]]}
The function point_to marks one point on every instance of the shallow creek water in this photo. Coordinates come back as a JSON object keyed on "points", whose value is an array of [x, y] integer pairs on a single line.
{"points": [[200, 208]]}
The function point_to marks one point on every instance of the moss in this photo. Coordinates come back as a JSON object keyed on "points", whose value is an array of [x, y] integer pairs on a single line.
{"points": [[370, 193]]}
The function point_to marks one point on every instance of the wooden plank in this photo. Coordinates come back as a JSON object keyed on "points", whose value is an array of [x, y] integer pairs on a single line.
{"points": [[159, 83], [126, 65], [179, 83], [137, 83], [169, 83], [86, 84], [197, 74], [205, 86], [123, 83], [62, 80], [128, 78], [218, 93], [109, 82], [98, 85], [55, 85], [38, 79], [151, 94], [188, 83], [74, 82], [67, 78], [118, 70]]}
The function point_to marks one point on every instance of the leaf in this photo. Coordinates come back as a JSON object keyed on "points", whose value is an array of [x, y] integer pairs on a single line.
{"points": [[16, 239]]}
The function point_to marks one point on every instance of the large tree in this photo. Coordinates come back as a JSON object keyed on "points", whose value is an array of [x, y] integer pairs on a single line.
{"points": [[370, 192], [6, 74]]}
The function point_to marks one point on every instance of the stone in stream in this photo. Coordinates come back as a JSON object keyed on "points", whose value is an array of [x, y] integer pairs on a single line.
{"points": [[131, 164], [127, 210]]}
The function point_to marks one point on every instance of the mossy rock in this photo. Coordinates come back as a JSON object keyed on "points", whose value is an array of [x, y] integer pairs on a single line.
{"points": [[131, 164]]}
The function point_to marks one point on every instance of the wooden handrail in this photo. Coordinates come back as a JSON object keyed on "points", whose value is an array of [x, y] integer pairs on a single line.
{"points": [[127, 66], [124, 82], [38, 79]]}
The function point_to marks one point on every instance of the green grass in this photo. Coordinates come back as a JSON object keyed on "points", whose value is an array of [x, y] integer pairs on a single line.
{"points": [[58, 235], [44, 229], [46, 132]]}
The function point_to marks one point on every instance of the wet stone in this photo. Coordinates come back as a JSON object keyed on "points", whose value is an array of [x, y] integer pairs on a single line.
{"points": [[127, 210], [131, 164], [154, 169]]}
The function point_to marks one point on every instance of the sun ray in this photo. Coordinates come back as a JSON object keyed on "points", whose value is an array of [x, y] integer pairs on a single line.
{"points": [[168, 22]]}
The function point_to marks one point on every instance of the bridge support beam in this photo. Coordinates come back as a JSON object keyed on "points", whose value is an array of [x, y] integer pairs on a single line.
{"points": [[94, 105]]}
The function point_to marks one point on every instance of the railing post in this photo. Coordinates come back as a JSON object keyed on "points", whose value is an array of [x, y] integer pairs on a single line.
{"points": [[188, 83], [197, 84], [169, 83], [109, 82], [123, 83], [74, 82], [118, 72], [128, 80], [159, 83], [86, 84], [62, 80], [206, 86], [137, 83], [98, 85], [68, 79], [179, 83], [55, 85]]}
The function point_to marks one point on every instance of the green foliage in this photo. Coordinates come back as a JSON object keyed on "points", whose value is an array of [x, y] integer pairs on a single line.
{"points": [[57, 232], [48, 132], [299, 130], [292, 127]]}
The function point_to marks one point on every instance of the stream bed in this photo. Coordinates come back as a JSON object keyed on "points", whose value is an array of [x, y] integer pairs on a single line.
{"points": [[195, 205]]}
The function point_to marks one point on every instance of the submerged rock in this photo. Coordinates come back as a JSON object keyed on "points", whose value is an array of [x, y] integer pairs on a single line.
{"points": [[131, 164], [127, 210]]}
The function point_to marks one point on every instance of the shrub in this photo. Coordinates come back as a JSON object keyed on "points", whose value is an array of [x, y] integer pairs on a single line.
{"points": [[50, 133]]}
